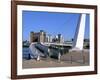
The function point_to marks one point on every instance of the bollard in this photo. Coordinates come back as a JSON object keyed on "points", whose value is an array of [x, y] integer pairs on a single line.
{"points": [[59, 57], [38, 58], [29, 56], [48, 52]]}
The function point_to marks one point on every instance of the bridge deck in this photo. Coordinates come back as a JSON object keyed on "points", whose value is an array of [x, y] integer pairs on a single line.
{"points": [[57, 44]]}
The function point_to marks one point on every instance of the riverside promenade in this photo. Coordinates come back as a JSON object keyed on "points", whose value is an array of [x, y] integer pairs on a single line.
{"points": [[76, 58]]}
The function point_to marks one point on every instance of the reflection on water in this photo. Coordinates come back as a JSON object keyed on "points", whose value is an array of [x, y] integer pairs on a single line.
{"points": [[26, 52]]}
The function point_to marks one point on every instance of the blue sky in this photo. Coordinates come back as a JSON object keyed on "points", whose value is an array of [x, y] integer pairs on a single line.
{"points": [[52, 23]]}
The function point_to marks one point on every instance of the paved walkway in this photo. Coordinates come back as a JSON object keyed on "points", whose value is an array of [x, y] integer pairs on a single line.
{"points": [[69, 59]]}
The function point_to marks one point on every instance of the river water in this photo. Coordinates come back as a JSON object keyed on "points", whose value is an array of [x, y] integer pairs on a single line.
{"points": [[53, 52]]}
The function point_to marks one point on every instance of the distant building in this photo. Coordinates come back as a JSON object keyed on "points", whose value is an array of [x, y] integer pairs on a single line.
{"points": [[37, 36], [55, 39], [48, 38], [60, 38], [31, 38], [42, 37]]}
